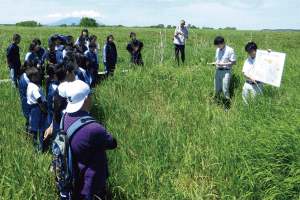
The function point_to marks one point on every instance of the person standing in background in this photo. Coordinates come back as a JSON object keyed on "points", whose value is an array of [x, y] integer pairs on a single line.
{"points": [[13, 60], [179, 40]]}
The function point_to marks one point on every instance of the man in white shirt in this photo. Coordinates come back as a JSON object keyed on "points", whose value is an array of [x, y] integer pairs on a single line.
{"points": [[179, 40], [225, 58], [251, 86]]}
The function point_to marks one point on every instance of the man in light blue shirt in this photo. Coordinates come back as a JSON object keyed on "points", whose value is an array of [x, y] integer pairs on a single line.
{"points": [[225, 58]]}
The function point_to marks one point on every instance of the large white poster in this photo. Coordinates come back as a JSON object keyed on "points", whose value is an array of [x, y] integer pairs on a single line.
{"points": [[268, 67]]}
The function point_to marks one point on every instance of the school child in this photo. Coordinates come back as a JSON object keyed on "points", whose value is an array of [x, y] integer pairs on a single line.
{"points": [[70, 38], [50, 55], [33, 50], [41, 57], [68, 47], [51, 87], [85, 35], [94, 40], [110, 56], [58, 48], [38, 110], [81, 48], [80, 74], [93, 66], [134, 48], [13, 60], [23, 85], [65, 74]]}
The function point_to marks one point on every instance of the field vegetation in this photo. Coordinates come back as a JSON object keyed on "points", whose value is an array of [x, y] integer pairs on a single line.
{"points": [[173, 141]]}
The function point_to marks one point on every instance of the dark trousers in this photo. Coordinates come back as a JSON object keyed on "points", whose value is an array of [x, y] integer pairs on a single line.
{"points": [[181, 49], [109, 70]]}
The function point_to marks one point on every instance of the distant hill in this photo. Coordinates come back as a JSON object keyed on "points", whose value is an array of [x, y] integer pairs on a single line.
{"points": [[281, 29], [69, 21]]}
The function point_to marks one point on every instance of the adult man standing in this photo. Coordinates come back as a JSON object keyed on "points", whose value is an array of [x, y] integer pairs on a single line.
{"points": [[225, 58], [88, 144], [179, 40]]}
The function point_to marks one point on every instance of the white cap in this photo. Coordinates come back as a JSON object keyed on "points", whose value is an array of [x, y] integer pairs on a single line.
{"points": [[76, 93], [62, 89]]}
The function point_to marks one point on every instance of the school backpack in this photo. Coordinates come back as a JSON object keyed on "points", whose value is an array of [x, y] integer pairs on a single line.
{"points": [[63, 166]]}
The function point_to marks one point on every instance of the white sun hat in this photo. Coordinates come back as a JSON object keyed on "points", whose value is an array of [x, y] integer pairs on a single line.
{"points": [[62, 89], [76, 92]]}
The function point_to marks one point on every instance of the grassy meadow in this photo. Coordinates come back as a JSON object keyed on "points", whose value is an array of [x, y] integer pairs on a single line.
{"points": [[173, 141]]}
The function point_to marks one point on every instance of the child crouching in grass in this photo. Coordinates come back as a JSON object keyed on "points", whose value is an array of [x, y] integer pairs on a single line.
{"points": [[38, 109]]}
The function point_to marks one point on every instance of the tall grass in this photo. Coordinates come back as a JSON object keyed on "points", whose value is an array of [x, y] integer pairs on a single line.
{"points": [[173, 142]]}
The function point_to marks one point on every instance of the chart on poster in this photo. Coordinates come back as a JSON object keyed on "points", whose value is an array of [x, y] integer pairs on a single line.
{"points": [[268, 67]]}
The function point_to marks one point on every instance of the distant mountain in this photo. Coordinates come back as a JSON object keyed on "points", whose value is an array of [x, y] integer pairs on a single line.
{"points": [[281, 30], [69, 21]]}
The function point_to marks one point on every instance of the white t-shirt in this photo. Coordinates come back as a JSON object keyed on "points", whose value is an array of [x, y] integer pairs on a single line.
{"points": [[33, 93], [180, 39], [248, 67]]}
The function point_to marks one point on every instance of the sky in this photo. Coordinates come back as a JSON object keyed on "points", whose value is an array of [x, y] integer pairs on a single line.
{"points": [[241, 14]]}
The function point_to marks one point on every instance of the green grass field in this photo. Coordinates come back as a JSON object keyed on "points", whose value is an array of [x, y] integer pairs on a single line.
{"points": [[173, 142]]}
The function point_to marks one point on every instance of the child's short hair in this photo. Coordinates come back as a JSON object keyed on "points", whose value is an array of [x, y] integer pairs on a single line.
{"points": [[219, 40], [31, 73], [62, 70], [92, 37], [81, 39], [69, 43], [16, 37], [69, 57], [51, 71], [37, 41], [250, 46], [55, 37], [69, 37], [28, 64], [132, 33], [92, 45], [32, 45], [51, 44]]}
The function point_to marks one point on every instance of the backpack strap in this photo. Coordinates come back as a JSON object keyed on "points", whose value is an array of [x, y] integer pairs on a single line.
{"points": [[61, 126], [78, 124]]}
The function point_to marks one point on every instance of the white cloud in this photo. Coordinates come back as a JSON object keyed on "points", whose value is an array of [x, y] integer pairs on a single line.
{"points": [[55, 15], [90, 13]]}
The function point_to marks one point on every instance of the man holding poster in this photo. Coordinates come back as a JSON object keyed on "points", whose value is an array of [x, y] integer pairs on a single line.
{"points": [[252, 71]]}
